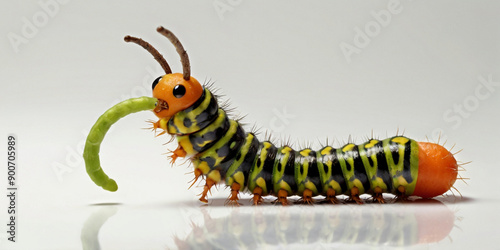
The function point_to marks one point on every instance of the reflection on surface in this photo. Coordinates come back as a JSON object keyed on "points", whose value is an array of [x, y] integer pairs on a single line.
{"points": [[390, 225], [268, 226], [91, 227]]}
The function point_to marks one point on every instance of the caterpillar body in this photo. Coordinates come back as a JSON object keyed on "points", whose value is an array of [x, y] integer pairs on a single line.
{"points": [[221, 151]]}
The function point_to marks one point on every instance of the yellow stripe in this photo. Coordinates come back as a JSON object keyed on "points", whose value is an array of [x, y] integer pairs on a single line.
{"points": [[163, 123], [185, 143], [214, 175], [400, 140], [326, 151], [305, 152], [371, 144], [203, 166], [240, 178], [261, 183], [348, 147]]}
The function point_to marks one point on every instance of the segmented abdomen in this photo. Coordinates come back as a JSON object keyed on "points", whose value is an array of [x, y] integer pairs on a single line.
{"points": [[222, 151], [386, 164]]}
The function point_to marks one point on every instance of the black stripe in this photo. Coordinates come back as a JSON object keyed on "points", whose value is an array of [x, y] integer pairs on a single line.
{"points": [[394, 147], [205, 118], [248, 162], [267, 169], [407, 163], [171, 123], [313, 172], [337, 174], [212, 136], [289, 173], [229, 153], [208, 115], [359, 168], [383, 168]]}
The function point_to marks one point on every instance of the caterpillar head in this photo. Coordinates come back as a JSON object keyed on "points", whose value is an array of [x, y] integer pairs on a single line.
{"points": [[174, 91], [174, 94]]}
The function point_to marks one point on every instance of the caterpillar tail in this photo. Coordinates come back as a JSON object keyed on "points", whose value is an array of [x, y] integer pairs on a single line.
{"points": [[437, 170], [98, 131]]}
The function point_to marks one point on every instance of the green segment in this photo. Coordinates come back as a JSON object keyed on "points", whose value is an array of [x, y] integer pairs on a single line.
{"points": [[256, 170], [279, 170], [325, 156], [212, 151], [98, 131], [365, 152], [234, 169], [396, 169], [302, 178], [347, 164]]}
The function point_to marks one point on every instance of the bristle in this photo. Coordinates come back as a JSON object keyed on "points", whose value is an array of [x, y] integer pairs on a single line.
{"points": [[256, 130], [210, 85], [463, 179], [439, 138], [320, 143], [366, 138], [453, 187], [452, 147]]}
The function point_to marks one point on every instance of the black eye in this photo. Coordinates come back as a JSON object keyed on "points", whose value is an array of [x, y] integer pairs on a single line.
{"points": [[179, 91], [156, 81]]}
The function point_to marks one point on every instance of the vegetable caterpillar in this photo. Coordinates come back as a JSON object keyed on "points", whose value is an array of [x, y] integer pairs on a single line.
{"points": [[221, 151]]}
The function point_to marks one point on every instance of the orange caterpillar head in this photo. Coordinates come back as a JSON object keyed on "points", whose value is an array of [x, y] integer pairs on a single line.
{"points": [[174, 94], [174, 91]]}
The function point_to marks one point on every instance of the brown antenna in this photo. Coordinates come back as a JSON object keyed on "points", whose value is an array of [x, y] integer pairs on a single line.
{"points": [[159, 58], [180, 49]]}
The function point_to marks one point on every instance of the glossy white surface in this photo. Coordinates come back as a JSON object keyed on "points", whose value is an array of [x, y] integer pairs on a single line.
{"points": [[433, 68]]}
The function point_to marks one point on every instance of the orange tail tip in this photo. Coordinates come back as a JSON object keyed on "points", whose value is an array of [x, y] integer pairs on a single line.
{"points": [[437, 170]]}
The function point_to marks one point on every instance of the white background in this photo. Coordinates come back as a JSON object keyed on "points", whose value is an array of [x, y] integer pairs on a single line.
{"points": [[64, 63]]}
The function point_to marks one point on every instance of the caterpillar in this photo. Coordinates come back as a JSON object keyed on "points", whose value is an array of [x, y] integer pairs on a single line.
{"points": [[222, 152]]}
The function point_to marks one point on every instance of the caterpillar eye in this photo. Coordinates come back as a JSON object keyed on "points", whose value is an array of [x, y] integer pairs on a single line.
{"points": [[155, 82], [179, 91]]}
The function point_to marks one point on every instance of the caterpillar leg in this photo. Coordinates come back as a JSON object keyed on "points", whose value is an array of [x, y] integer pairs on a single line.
{"points": [[179, 152], [331, 197], [257, 195], [233, 199], [377, 196], [355, 195], [208, 184], [282, 197], [197, 174], [307, 197], [154, 125], [401, 194]]}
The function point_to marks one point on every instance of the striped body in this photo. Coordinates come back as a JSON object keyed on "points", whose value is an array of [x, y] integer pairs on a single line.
{"points": [[221, 150]]}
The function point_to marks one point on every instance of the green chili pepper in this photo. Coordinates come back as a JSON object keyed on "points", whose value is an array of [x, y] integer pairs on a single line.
{"points": [[98, 131]]}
